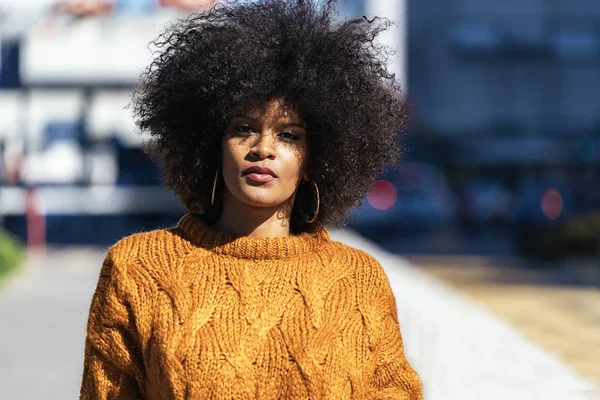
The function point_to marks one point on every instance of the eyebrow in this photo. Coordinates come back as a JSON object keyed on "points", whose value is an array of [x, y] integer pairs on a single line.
{"points": [[249, 118], [294, 124]]}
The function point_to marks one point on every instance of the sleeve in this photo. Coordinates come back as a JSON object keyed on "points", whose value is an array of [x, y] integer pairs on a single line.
{"points": [[389, 372], [112, 361]]}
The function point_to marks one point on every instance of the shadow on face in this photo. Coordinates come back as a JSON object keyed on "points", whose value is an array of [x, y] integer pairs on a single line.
{"points": [[264, 155]]}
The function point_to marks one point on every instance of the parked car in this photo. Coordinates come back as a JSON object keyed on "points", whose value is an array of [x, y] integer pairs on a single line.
{"points": [[485, 200], [414, 197], [575, 235], [542, 206]]}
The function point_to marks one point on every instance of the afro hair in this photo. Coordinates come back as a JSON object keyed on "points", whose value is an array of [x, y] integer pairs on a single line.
{"points": [[238, 55]]}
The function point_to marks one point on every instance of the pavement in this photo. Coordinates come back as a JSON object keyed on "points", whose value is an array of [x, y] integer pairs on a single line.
{"points": [[462, 349], [43, 311], [556, 306]]}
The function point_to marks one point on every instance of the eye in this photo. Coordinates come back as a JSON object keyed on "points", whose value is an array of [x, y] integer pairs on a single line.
{"points": [[243, 128], [290, 136]]}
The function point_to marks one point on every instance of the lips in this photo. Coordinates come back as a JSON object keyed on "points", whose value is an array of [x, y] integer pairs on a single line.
{"points": [[259, 171], [258, 174]]}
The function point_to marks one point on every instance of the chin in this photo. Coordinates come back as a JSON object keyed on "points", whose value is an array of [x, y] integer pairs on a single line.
{"points": [[260, 197]]}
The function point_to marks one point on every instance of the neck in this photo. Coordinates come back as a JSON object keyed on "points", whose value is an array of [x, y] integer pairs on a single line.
{"points": [[239, 219]]}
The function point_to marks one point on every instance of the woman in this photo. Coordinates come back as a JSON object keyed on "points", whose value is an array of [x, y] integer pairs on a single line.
{"points": [[270, 121]]}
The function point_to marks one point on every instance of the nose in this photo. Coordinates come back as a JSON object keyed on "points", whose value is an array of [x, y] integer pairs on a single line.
{"points": [[263, 147]]}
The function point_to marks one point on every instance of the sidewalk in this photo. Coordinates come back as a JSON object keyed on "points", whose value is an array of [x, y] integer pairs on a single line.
{"points": [[557, 308], [44, 312], [461, 351]]}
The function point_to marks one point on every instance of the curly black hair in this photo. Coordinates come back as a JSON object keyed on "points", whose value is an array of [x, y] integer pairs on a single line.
{"points": [[239, 55]]}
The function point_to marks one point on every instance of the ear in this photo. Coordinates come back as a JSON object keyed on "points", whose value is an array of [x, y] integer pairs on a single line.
{"points": [[306, 178]]}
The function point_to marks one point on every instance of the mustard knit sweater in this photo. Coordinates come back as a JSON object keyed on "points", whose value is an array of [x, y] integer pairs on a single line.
{"points": [[190, 313]]}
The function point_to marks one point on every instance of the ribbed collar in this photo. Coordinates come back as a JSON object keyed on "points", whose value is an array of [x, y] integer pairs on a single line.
{"points": [[200, 233]]}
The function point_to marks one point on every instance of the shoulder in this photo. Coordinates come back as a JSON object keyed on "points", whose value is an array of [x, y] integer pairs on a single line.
{"points": [[141, 256], [366, 268], [361, 259], [150, 244]]}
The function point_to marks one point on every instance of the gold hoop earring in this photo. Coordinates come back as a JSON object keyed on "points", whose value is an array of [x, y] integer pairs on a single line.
{"points": [[310, 221], [214, 189]]}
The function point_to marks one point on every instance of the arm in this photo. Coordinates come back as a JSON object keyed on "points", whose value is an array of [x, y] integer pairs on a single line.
{"points": [[112, 367], [390, 374]]}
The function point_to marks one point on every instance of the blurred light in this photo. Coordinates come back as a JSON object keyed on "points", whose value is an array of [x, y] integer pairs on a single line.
{"points": [[383, 195], [552, 204]]}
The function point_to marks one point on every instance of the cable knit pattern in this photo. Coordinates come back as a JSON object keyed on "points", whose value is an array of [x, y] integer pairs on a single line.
{"points": [[190, 313]]}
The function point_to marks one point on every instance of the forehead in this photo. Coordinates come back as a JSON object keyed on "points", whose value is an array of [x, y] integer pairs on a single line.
{"points": [[275, 110]]}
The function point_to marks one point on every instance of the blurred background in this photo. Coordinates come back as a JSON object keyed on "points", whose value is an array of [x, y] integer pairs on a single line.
{"points": [[498, 195], [503, 154]]}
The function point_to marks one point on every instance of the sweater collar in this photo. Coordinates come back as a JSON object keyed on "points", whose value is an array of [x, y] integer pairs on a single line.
{"points": [[200, 233]]}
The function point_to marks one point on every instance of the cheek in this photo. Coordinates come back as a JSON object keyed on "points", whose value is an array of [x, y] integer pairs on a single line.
{"points": [[296, 160], [231, 158]]}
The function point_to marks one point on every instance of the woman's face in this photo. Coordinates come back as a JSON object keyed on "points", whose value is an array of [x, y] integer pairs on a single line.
{"points": [[264, 151]]}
